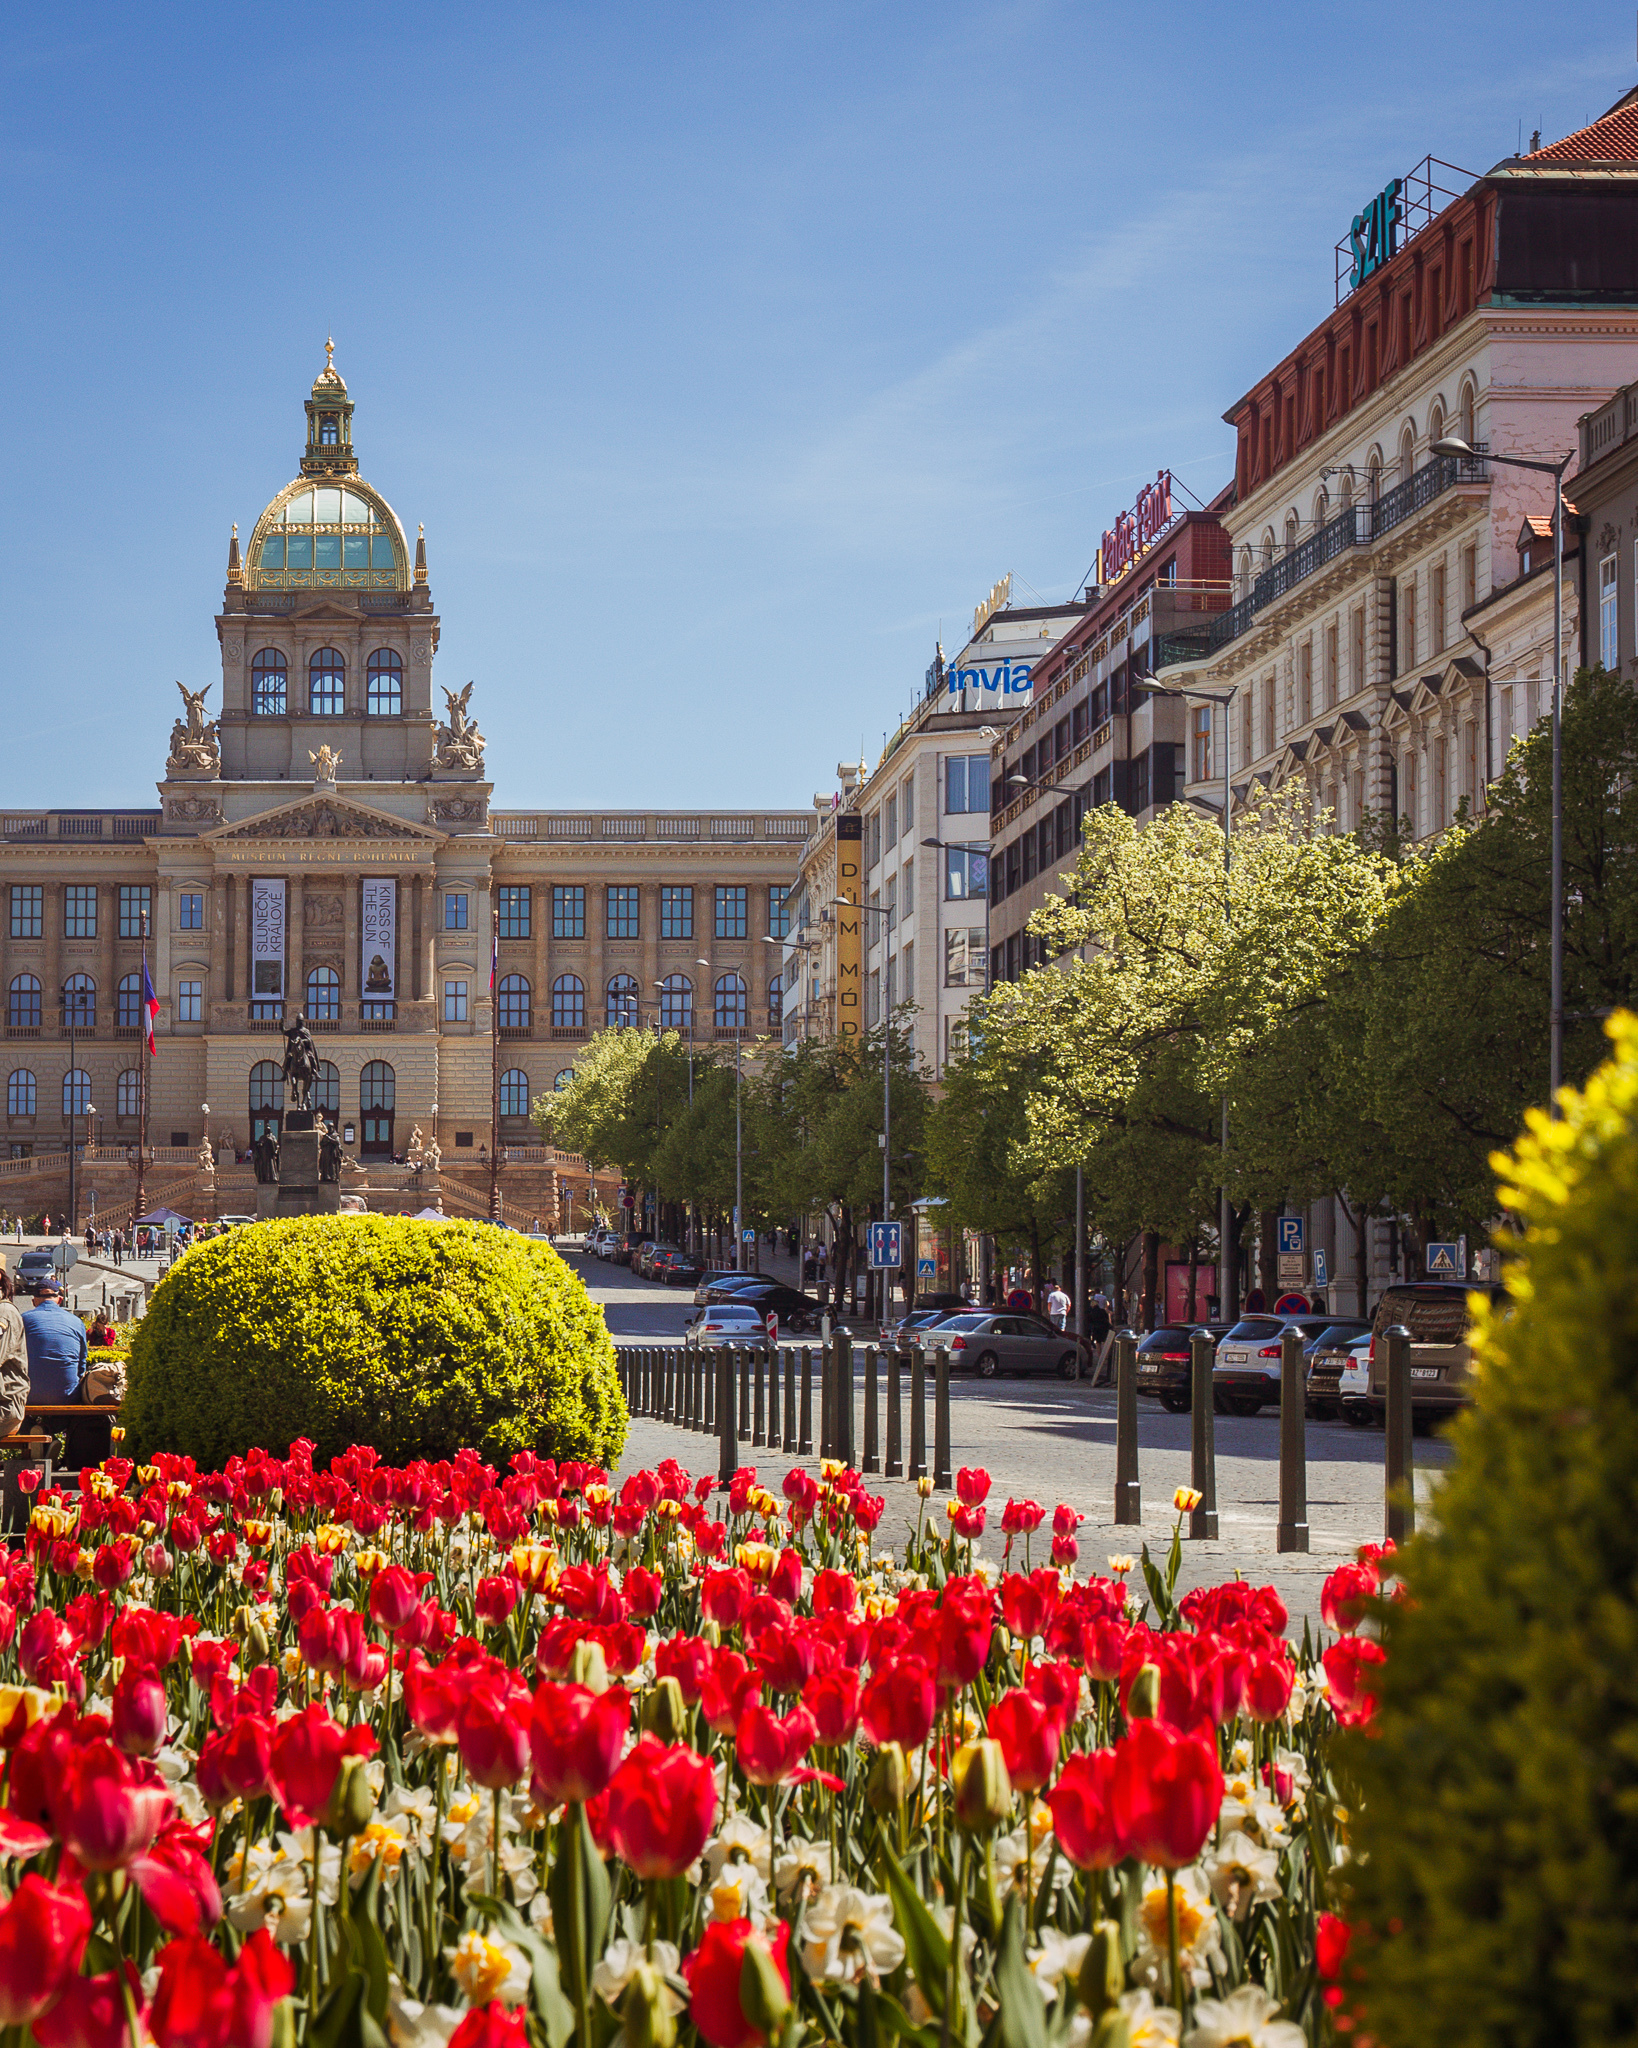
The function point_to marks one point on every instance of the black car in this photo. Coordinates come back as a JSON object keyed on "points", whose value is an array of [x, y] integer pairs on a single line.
{"points": [[796, 1312], [1164, 1363]]}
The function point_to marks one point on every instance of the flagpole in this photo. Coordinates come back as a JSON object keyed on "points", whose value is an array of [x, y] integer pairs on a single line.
{"points": [[142, 1089], [494, 1073]]}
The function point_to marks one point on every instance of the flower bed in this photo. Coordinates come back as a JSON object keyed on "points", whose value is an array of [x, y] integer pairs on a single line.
{"points": [[437, 1754]]}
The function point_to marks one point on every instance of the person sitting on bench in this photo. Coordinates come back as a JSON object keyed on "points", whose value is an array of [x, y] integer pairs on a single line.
{"points": [[56, 1347]]}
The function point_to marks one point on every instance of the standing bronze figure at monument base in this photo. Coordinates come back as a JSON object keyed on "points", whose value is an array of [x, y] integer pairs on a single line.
{"points": [[299, 1174]]}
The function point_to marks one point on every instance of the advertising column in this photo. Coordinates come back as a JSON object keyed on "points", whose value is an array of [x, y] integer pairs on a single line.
{"points": [[849, 951]]}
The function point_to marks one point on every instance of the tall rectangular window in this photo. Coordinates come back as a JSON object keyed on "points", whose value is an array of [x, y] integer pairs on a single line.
{"points": [[1331, 666], [622, 911], [731, 913], [779, 915], [907, 888], [136, 909], [891, 906], [966, 873], [1470, 577], [1200, 766], [190, 1002], [568, 910], [27, 910], [190, 911], [873, 999], [964, 957], [1436, 608], [514, 911], [1609, 645], [676, 911], [454, 910], [907, 804], [454, 1002], [890, 822], [1356, 650], [80, 910], [1407, 626], [966, 783], [873, 839]]}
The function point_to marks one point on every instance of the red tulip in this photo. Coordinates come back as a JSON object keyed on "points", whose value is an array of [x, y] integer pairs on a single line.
{"points": [[729, 1687], [105, 1808], [394, 1596], [898, 1704], [307, 1753], [642, 1590], [833, 1700], [148, 1640], [139, 1713], [972, 1486], [43, 1932], [1268, 1687], [494, 1730], [114, 1564], [769, 1749], [575, 1740], [177, 1884], [835, 1592], [1083, 1811], [1351, 1667], [235, 1763], [91, 2013], [714, 1973], [1058, 1688], [662, 1802], [687, 1659], [433, 1697], [201, 2003], [724, 1595], [1028, 1734], [966, 1621], [1027, 1605], [492, 2026], [968, 1523], [1331, 1939], [495, 1600], [1346, 1595], [785, 1581], [1168, 1791]]}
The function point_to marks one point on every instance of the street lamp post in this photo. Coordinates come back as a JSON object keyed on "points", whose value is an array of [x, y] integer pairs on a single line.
{"points": [[879, 910], [1451, 445], [739, 1147]]}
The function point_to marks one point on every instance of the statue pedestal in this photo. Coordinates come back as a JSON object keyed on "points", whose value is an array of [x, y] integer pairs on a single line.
{"points": [[298, 1191]]}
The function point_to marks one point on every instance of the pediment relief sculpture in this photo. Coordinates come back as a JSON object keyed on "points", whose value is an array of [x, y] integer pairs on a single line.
{"points": [[325, 818]]}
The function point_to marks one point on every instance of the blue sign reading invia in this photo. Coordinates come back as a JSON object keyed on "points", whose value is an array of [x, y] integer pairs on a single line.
{"points": [[1373, 235], [1004, 679]]}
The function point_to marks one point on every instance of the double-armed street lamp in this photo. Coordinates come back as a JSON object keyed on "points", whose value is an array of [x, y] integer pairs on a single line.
{"points": [[739, 1141]]}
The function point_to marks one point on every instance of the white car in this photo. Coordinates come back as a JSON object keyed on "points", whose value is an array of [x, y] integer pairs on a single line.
{"points": [[726, 1322], [1355, 1384]]}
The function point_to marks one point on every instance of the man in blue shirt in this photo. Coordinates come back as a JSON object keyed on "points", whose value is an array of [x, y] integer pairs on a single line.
{"points": [[56, 1347]]}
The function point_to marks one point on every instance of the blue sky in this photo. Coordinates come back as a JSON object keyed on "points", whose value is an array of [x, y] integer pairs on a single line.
{"points": [[727, 353]]}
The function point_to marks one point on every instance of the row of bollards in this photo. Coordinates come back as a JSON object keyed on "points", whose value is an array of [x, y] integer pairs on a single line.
{"points": [[1291, 1530], [762, 1395]]}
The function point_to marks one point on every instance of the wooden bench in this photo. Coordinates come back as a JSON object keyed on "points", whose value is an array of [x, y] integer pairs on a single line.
{"points": [[68, 1411]]}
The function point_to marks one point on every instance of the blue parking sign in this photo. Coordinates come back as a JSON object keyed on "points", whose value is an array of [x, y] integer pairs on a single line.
{"points": [[1291, 1233]]}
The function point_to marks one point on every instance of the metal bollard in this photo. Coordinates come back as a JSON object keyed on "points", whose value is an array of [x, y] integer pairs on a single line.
{"points": [[843, 1431], [894, 1467], [708, 1393], [790, 1437], [759, 1397], [728, 1443], [742, 1370], [918, 1413], [1292, 1533], [941, 1417], [668, 1374], [805, 1441], [1128, 1485], [1203, 1434], [773, 1397], [872, 1460], [1398, 1456], [827, 1365]]}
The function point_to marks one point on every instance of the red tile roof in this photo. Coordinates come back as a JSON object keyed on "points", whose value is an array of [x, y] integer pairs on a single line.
{"points": [[1612, 138]]}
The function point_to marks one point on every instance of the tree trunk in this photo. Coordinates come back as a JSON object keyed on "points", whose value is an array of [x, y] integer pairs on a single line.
{"points": [[1035, 1265], [1194, 1278], [1151, 1275], [1268, 1254]]}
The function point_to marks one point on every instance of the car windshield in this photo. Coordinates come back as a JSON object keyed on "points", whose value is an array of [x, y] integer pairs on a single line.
{"points": [[732, 1312], [1169, 1339], [966, 1323], [1337, 1336], [1254, 1329]]}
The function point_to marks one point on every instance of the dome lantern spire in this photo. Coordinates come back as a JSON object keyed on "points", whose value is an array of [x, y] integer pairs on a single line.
{"points": [[329, 423]]}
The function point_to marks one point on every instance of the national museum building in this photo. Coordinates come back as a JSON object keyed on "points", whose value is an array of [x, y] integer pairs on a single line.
{"points": [[326, 842]]}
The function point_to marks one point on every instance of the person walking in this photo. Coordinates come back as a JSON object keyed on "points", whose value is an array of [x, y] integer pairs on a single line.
{"points": [[1100, 1331], [1058, 1306]]}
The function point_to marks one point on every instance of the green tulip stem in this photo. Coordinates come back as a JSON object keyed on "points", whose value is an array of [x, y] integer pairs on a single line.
{"points": [[1172, 1940]]}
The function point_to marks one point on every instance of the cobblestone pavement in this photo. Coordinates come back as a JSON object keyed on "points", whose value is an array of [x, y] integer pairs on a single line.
{"points": [[1050, 1441]]}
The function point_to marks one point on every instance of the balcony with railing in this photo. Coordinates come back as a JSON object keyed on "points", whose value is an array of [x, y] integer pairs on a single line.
{"points": [[1357, 526]]}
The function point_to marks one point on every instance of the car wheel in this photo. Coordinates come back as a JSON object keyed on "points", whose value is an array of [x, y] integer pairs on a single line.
{"points": [[1359, 1417], [986, 1365], [1066, 1366], [1242, 1404], [1175, 1404], [798, 1325]]}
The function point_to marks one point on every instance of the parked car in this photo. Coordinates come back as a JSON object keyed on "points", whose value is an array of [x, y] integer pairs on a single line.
{"points": [[1247, 1372], [38, 1263], [725, 1322], [1165, 1364], [674, 1269], [718, 1276], [1441, 1360], [1354, 1384], [898, 1336], [796, 1312], [988, 1344], [1327, 1355]]}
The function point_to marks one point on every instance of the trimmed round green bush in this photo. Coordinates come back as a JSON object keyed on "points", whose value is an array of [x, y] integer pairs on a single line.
{"points": [[1495, 1876], [416, 1337]]}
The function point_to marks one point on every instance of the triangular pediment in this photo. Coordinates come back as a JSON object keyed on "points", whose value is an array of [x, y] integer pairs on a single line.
{"points": [[324, 817], [324, 611]]}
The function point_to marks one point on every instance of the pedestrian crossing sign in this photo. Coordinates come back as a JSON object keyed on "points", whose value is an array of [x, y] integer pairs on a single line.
{"points": [[1442, 1262]]}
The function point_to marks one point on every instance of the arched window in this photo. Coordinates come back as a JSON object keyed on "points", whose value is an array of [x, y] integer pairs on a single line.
{"points": [[385, 696], [1466, 411], [677, 1003], [128, 1002], [80, 1002], [22, 1094], [76, 1092], [1346, 489], [514, 996], [622, 1001], [329, 430], [568, 1003], [266, 1085], [1268, 547], [1245, 572], [776, 1004], [1373, 477], [128, 1094], [377, 1086], [327, 1088], [562, 1079], [1436, 422], [269, 677], [1407, 451], [514, 1093], [731, 1006], [23, 1003], [324, 995], [327, 683], [1322, 507], [1293, 526]]}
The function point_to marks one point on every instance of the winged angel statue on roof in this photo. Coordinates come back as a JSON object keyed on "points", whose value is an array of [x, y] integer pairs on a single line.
{"points": [[194, 746], [460, 744]]}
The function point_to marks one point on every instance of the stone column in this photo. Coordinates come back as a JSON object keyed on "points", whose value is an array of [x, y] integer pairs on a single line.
{"points": [[295, 927], [352, 897], [55, 902], [239, 898], [221, 936], [540, 912], [648, 924], [418, 987], [107, 975]]}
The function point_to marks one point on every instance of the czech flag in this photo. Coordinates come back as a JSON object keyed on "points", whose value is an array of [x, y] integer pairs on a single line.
{"points": [[150, 1004]]}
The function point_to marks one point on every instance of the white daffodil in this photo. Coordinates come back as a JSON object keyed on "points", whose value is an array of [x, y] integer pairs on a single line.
{"points": [[1199, 1938], [618, 1966], [1058, 1958], [1245, 2019], [803, 1869], [739, 1840], [485, 1968], [847, 1934], [1241, 1872], [410, 2024], [1149, 2025], [739, 1893], [381, 1845], [1010, 1862], [414, 1807]]}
